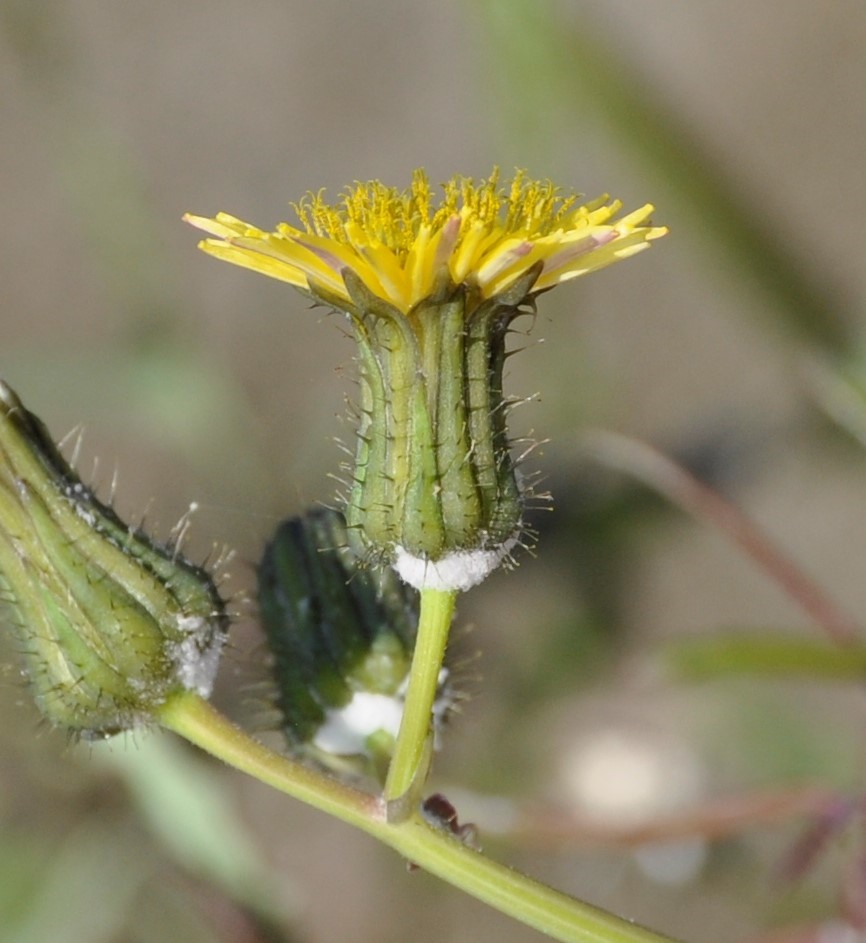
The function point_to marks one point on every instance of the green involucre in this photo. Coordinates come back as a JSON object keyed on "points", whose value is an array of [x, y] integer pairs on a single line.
{"points": [[433, 470]]}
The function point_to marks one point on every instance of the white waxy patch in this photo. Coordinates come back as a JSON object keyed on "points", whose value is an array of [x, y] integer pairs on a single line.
{"points": [[460, 570], [85, 514], [195, 656], [346, 729]]}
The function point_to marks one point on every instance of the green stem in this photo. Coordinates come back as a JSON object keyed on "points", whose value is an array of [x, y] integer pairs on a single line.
{"points": [[196, 720], [411, 748], [426, 845], [510, 892]]}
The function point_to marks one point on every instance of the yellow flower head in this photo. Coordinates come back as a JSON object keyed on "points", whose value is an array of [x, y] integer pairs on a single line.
{"points": [[401, 244], [430, 287]]}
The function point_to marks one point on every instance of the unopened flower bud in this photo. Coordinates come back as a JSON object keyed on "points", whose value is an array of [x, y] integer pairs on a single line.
{"points": [[109, 623], [341, 638]]}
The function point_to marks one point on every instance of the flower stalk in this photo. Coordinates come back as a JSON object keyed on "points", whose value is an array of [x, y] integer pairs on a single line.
{"points": [[407, 773]]}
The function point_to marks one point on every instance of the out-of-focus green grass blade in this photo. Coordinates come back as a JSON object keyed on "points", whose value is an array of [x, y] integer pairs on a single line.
{"points": [[765, 654], [542, 56], [187, 808], [840, 394], [85, 894]]}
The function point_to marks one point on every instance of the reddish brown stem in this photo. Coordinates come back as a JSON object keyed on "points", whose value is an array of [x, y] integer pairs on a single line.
{"points": [[713, 820], [662, 474]]}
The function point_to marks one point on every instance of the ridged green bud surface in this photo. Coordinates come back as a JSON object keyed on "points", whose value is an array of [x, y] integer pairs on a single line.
{"points": [[109, 623], [434, 478]]}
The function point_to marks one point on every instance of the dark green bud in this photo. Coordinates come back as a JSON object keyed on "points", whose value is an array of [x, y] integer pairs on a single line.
{"points": [[109, 623], [341, 637]]}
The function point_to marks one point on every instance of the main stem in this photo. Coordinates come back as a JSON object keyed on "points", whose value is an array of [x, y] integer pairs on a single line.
{"points": [[429, 847], [412, 749], [191, 716]]}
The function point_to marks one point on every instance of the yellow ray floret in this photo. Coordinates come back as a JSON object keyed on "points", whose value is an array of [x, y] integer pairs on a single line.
{"points": [[400, 243]]}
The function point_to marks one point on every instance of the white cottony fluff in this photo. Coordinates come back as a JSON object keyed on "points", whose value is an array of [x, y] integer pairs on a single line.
{"points": [[460, 570], [196, 656]]}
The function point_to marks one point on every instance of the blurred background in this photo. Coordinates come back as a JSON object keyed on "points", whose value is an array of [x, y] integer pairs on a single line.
{"points": [[735, 345]]}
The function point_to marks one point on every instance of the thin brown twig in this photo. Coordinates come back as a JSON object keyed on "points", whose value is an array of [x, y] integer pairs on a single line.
{"points": [[659, 472], [712, 820]]}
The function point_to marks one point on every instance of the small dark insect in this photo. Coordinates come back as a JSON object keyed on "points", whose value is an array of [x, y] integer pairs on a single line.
{"points": [[438, 811]]}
